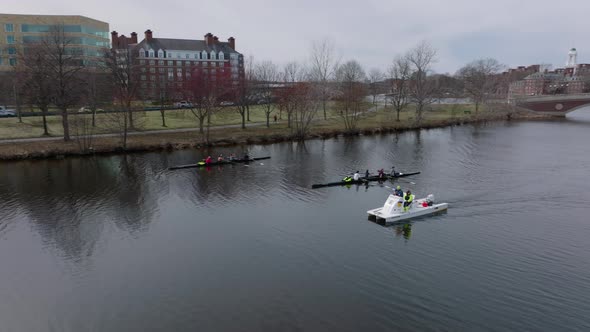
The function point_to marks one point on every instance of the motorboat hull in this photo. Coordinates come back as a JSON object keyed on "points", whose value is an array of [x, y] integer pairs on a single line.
{"points": [[393, 210]]}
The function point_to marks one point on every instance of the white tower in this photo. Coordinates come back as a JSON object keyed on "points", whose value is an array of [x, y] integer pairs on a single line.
{"points": [[572, 58]]}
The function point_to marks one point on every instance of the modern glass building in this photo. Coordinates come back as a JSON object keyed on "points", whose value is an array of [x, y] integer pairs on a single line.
{"points": [[87, 36]]}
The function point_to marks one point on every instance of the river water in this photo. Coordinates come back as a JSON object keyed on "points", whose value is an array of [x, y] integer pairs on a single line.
{"points": [[119, 243]]}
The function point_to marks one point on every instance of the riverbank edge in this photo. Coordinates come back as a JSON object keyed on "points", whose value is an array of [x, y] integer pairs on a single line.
{"points": [[168, 142]]}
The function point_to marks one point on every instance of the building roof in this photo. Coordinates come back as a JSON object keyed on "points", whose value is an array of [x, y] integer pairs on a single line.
{"points": [[185, 45]]}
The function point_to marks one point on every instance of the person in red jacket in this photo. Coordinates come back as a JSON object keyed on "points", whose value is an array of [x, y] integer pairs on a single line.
{"points": [[208, 160]]}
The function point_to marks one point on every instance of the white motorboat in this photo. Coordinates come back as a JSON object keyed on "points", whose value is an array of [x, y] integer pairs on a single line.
{"points": [[393, 209]]}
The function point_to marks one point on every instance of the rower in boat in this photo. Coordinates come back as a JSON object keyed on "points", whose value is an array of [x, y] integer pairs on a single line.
{"points": [[208, 160], [367, 174], [356, 176], [220, 158], [232, 157], [381, 174], [393, 170]]}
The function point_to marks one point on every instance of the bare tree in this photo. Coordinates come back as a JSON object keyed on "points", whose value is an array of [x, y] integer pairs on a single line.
{"points": [[207, 92], [64, 62], [323, 66], [242, 93], [480, 79], [422, 89], [124, 72], [37, 81], [350, 77], [375, 77], [305, 106], [267, 75], [287, 96], [399, 75]]}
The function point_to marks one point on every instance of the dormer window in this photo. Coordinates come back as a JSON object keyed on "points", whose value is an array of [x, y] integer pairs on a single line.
{"points": [[160, 54], [151, 55], [221, 56], [141, 52], [212, 55], [204, 55], [196, 55]]}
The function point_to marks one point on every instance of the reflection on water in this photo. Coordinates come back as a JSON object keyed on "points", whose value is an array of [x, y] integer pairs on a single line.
{"points": [[120, 243]]}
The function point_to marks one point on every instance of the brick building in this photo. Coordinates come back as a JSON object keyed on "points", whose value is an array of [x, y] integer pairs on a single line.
{"points": [[167, 65], [573, 78]]}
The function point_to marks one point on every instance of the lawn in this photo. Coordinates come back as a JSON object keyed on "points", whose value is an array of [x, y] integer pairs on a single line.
{"points": [[183, 118]]}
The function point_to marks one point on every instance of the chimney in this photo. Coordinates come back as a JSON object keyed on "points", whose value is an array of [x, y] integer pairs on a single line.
{"points": [[148, 35], [134, 38], [115, 39], [209, 39], [215, 39], [232, 43]]}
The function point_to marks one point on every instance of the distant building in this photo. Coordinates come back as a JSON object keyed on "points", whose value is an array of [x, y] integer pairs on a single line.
{"points": [[573, 78], [87, 35], [167, 64]]}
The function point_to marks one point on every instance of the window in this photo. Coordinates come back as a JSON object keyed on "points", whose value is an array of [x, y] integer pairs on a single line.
{"points": [[152, 78], [0, 61], [142, 62], [170, 63], [9, 27], [203, 55], [12, 61], [212, 55], [141, 52], [221, 56], [152, 70], [152, 62], [161, 62], [143, 77], [11, 50], [186, 56], [169, 55], [151, 55], [143, 70], [10, 39], [162, 70], [160, 54], [196, 55]]}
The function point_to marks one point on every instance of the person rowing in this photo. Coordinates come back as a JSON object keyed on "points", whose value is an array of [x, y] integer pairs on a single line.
{"points": [[356, 176], [367, 174], [208, 160], [232, 157], [381, 174], [393, 170], [220, 158]]}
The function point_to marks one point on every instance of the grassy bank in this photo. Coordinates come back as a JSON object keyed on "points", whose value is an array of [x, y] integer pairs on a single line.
{"points": [[382, 121]]}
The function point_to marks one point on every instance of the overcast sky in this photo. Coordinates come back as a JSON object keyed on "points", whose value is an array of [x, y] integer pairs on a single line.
{"points": [[516, 32]]}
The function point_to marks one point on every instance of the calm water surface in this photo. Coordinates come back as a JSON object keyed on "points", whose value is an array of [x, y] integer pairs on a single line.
{"points": [[121, 244]]}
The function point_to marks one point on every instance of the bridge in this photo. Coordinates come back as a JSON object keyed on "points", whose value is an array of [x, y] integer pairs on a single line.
{"points": [[558, 105]]}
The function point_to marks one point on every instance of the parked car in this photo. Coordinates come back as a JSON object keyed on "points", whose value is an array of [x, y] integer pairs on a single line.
{"points": [[226, 103], [183, 104], [86, 109], [4, 112]]}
